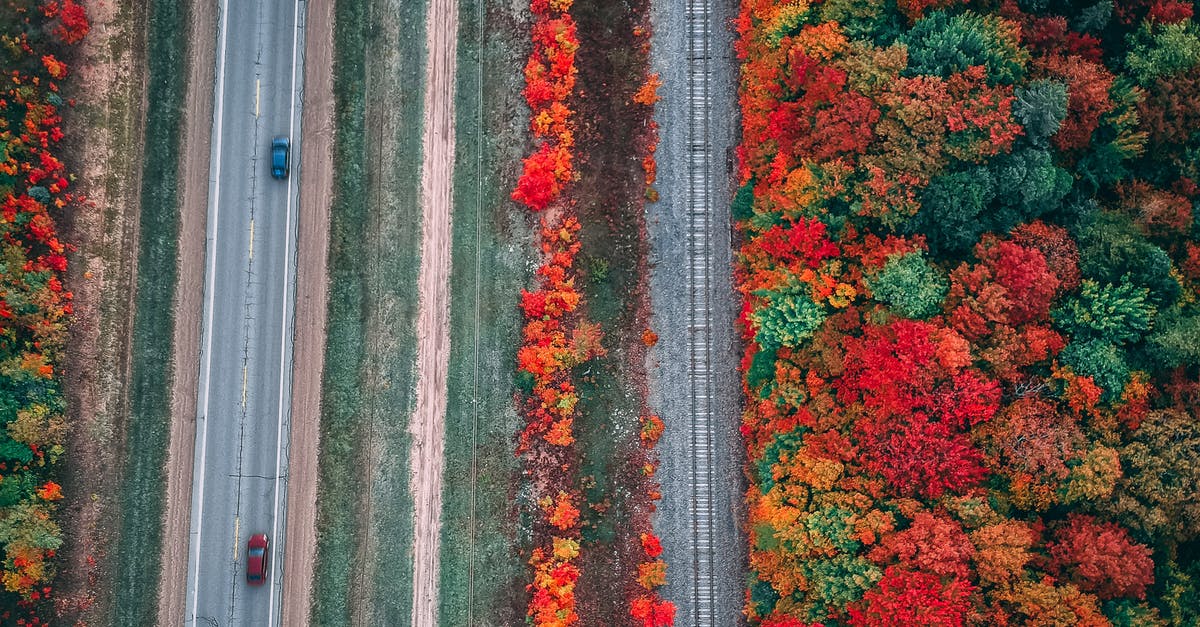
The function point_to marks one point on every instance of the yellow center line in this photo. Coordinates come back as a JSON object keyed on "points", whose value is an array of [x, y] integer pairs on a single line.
{"points": [[237, 524], [256, 86], [252, 238], [244, 370]]}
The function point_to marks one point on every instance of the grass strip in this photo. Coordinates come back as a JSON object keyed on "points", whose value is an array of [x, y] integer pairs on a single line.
{"points": [[482, 573], [140, 539], [364, 554], [390, 377], [346, 330]]}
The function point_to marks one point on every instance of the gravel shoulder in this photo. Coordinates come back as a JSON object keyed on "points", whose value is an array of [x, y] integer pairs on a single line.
{"points": [[105, 131], [669, 389], [316, 190]]}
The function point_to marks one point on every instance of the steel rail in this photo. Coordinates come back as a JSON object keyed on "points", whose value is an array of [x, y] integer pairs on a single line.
{"points": [[699, 260]]}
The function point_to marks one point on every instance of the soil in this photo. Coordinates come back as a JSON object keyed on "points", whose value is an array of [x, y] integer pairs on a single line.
{"points": [[189, 293], [103, 135], [316, 190], [612, 139], [433, 328]]}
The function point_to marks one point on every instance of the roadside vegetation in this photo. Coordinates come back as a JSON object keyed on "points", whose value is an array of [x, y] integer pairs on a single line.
{"points": [[482, 571], [138, 547], [587, 443], [35, 192], [364, 520], [970, 268], [104, 133]]}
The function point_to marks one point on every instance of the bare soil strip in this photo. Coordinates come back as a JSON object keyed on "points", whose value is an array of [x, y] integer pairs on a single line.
{"points": [[433, 329], [189, 293], [312, 291], [104, 134]]}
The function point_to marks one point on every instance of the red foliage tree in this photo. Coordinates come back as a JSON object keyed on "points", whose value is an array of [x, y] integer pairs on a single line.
{"points": [[931, 543], [1088, 83], [924, 458], [803, 241], [903, 598], [1056, 245], [1170, 11], [828, 119], [1171, 110], [541, 181], [73, 24], [1011, 285], [1049, 35], [1100, 557]]}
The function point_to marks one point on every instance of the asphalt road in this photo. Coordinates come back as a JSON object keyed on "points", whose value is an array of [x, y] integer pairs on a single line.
{"points": [[243, 408]]}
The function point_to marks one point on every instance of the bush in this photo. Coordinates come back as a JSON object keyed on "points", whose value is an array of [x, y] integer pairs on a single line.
{"points": [[944, 44], [1040, 108], [1102, 361], [910, 286]]}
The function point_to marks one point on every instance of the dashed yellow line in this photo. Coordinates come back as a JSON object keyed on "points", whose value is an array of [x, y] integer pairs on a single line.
{"points": [[244, 373], [252, 238], [256, 86], [237, 539]]}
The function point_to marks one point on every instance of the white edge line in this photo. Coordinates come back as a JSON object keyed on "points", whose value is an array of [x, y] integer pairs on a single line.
{"points": [[283, 373], [214, 193]]}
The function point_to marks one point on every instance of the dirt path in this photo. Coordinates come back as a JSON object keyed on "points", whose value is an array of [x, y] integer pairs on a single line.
{"points": [[193, 191], [104, 136], [433, 329], [308, 351]]}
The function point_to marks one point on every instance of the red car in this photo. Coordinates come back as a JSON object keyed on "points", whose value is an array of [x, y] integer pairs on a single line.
{"points": [[256, 559]]}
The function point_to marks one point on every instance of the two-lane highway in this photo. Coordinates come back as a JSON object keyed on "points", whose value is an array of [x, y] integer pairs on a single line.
{"points": [[243, 408]]}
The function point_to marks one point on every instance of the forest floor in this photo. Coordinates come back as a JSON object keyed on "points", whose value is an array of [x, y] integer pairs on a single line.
{"points": [[670, 302], [104, 135]]}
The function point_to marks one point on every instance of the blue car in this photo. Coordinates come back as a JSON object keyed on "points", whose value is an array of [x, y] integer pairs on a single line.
{"points": [[281, 150]]}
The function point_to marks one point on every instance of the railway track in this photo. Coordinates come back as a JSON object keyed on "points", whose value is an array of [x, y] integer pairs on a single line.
{"points": [[700, 318]]}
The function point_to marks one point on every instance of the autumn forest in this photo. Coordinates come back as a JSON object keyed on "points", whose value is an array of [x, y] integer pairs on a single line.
{"points": [[969, 275]]}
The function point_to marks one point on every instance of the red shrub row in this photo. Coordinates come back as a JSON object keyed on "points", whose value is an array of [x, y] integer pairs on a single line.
{"points": [[549, 82], [557, 338]]}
